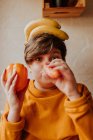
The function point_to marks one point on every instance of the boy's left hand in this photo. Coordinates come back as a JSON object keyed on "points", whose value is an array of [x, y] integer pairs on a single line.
{"points": [[66, 82]]}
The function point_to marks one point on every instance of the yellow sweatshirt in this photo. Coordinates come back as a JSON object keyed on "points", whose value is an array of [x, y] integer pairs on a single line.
{"points": [[49, 115]]}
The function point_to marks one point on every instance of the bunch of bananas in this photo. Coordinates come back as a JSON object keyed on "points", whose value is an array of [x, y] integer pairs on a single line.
{"points": [[44, 25]]}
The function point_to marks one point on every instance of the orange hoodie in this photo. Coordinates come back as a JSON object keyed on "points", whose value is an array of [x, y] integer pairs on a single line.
{"points": [[49, 115]]}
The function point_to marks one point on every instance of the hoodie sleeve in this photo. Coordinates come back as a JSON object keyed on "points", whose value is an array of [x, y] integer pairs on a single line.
{"points": [[81, 113], [8, 130]]}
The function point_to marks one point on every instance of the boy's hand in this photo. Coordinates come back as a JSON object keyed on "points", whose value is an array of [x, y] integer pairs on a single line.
{"points": [[15, 100], [66, 82]]}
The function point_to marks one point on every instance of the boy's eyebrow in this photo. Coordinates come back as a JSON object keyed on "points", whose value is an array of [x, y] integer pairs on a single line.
{"points": [[56, 51]]}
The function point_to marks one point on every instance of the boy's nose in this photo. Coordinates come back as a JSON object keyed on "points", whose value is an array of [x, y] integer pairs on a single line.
{"points": [[47, 63]]}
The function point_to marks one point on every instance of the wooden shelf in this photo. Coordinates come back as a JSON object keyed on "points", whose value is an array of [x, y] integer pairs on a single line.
{"points": [[59, 12]]}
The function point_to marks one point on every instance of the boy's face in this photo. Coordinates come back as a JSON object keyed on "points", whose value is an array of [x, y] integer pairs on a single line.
{"points": [[37, 67]]}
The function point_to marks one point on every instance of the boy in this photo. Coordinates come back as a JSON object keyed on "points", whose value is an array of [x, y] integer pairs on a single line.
{"points": [[51, 108]]}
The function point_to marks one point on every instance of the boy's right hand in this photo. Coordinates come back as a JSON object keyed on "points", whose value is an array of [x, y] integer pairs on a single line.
{"points": [[15, 100]]}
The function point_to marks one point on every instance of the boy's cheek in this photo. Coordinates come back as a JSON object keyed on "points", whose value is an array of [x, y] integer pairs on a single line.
{"points": [[36, 74], [35, 69]]}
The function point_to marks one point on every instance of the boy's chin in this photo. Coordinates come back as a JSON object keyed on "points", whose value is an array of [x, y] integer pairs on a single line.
{"points": [[46, 84], [45, 81]]}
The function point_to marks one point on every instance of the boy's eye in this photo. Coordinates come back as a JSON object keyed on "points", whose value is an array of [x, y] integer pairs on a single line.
{"points": [[54, 57], [38, 59]]}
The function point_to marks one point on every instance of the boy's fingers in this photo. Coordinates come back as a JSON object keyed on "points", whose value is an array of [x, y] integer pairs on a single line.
{"points": [[12, 87], [14, 69], [57, 64], [10, 73], [10, 80], [24, 91], [2, 78], [56, 60], [61, 68]]}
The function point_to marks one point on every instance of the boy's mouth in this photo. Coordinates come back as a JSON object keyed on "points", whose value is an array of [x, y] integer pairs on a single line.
{"points": [[45, 75]]}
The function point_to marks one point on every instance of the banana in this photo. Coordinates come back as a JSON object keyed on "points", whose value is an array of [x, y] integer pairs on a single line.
{"points": [[44, 21], [51, 30]]}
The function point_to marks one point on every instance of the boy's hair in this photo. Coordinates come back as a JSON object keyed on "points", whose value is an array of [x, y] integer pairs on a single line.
{"points": [[42, 44]]}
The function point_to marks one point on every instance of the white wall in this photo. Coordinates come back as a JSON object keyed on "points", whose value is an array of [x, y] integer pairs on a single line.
{"points": [[14, 15]]}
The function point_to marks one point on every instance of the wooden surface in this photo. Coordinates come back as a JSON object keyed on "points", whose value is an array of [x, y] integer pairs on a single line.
{"points": [[59, 12]]}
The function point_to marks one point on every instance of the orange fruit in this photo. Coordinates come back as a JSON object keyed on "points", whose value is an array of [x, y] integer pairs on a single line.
{"points": [[51, 72], [22, 75]]}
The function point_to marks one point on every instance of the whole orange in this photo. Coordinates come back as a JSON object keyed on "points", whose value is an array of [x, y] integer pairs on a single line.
{"points": [[22, 75]]}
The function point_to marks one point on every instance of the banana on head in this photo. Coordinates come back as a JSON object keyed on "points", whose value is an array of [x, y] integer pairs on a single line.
{"points": [[44, 25]]}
